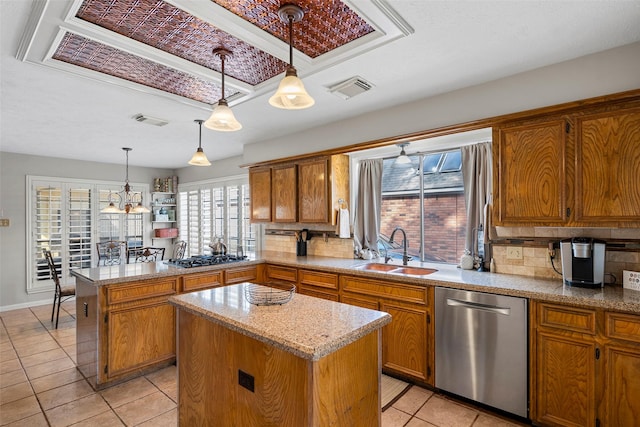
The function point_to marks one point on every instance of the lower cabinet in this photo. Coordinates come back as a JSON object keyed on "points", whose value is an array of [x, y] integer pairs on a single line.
{"points": [[586, 367], [318, 284], [407, 342]]}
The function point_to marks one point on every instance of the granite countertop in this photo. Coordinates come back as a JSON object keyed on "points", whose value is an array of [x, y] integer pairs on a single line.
{"points": [[552, 290], [321, 326]]}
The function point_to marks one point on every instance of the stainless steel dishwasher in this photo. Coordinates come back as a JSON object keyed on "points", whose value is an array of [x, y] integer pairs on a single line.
{"points": [[482, 348]]}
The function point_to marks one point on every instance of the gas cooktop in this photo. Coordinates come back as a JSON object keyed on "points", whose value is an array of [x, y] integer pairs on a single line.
{"points": [[204, 260]]}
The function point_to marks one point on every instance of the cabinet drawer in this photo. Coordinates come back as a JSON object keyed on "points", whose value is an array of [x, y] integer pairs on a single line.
{"points": [[360, 302], [239, 275], [569, 318], [318, 293], [622, 326], [287, 274], [140, 290], [195, 282], [319, 279], [389, 290]]}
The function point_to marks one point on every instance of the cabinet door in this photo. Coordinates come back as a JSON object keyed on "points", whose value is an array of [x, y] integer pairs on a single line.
{"points": [[313, 189], [530, 170], [565, 379], [622, 385], [607, 159], [405, 340], [140, 337], [283, 190], [260, 194]]}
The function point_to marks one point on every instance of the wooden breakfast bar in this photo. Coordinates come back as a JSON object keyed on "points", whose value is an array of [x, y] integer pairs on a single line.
{"points": [[307, 362]]}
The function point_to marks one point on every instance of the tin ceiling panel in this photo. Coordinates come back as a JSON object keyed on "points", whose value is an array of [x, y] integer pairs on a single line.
{"points": [[165, 27], [92, 55]]}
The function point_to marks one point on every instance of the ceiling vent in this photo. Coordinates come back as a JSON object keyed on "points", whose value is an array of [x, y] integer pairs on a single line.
{"points": [[351, 87], [150, 120]]}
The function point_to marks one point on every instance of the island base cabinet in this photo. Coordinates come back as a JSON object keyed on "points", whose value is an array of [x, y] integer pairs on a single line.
{"points": [[227, 378]]}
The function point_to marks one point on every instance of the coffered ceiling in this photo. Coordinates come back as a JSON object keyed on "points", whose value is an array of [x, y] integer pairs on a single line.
{"points": [[76, 72]]}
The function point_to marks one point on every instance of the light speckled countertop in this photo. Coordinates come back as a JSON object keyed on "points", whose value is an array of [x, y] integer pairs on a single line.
{"points": [[609, 297], [308, 327]]}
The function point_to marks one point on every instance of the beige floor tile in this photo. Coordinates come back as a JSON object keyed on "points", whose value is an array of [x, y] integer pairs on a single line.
{"points": [[15, 392], [18, 409], [8, 353], [13, 377], [58, 379], [44, 357], [37, 420], [394, 418], [65, 394], [7, 366], [168, 419], [444, 413], [76, 411], [48, 368], [36, 347], [486, 420], [164, 378], [106, 419], [144, 409], [128, 392], [71, 352], [171, 392], [413, 400], [417, 422]]}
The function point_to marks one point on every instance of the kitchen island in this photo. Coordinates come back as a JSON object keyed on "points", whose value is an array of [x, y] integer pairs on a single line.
{"points": [[308, 362]]}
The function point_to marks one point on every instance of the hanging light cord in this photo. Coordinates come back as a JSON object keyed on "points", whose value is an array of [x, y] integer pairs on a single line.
{"points": [[222, 56], [290, 40], [200, 124]]}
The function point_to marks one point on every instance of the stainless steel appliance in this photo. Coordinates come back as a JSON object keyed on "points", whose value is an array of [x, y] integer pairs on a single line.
{"points": [[481, 348], [583, 262], [204, 260]]}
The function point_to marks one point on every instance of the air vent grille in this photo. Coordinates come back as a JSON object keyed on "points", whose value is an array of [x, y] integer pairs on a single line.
{"points": [[150, 120], [351, 87]]}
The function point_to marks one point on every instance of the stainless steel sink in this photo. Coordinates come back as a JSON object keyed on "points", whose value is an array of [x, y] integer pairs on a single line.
{"points": [[397, 269]]}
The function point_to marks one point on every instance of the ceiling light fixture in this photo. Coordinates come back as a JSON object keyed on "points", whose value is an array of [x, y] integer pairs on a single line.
{"points": [[291, 94], [222, 117], [126, 203], [199, 158], [402, 159]]}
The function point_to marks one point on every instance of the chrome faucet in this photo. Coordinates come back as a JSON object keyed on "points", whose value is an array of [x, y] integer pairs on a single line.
{"points": [[405, 258]]}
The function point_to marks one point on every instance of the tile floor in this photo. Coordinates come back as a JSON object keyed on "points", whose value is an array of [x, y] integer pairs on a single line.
{"points": [[40, 386]]}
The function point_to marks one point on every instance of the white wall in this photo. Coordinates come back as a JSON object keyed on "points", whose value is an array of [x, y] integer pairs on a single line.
{"points": [[603, 73], [13, 200]]}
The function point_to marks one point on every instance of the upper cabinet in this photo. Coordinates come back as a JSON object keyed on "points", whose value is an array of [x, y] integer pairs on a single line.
{"points": [[578, 169], [306, 191]]}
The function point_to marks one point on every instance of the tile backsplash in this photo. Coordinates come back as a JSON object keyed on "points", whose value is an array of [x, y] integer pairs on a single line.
{"points": [[332, 247], [536, 262]]}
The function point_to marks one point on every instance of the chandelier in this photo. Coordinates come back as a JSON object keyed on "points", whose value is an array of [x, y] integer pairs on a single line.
{"points": [[125, 198]]}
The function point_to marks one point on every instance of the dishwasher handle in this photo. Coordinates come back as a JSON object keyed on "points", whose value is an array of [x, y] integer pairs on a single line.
{"points": [[477, 306]]}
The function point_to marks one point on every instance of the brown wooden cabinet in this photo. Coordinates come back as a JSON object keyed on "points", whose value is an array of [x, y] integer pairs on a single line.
{"points": [[318, 284], [279, 273], [407, 342], [200, 281], [248, 273], [305, 191], [575, 169], [260, 194], [585, 365]]}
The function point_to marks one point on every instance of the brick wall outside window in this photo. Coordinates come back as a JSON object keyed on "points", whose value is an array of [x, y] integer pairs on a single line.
{"points": [[444, 223]]}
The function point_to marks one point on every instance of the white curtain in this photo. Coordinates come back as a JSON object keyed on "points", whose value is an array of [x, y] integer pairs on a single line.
{"points": [[476, 173], [368, 206]]}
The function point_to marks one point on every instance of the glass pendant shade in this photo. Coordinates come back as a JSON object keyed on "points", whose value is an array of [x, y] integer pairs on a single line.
{"points": [[222, 118], [112, 208], [402, 159], [291, 94], [199, 158]]}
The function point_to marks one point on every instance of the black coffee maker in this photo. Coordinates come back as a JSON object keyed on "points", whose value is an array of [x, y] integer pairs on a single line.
{"points": [[583, 262]]}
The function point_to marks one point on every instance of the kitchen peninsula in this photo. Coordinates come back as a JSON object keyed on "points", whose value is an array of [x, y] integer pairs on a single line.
{"points": [[307, 362]]}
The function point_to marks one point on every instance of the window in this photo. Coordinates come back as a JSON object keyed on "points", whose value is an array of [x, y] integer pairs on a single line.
{"points": [[208, 211], [443, 214], [63, 216]]}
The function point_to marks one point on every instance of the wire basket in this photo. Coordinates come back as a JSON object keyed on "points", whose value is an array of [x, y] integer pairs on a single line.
{"points": [[271, 294]]}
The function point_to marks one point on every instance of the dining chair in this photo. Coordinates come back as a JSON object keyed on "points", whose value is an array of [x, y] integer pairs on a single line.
{"points": [[111, 252], [179, 248], [62, 293], [147, 254]]}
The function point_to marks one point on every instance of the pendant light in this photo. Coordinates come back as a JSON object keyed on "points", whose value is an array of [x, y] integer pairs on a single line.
{"points": [[402, 159], [199, 158], [222, 117], [126, 199], [291, 94]]}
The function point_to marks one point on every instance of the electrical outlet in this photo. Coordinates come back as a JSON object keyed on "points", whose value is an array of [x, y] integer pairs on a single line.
{"points": [[514, 252], [4, 222]]}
